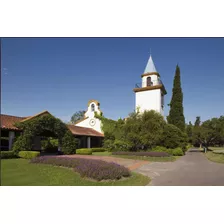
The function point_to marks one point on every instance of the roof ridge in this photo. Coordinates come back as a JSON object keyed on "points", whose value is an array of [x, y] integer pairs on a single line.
{"points": [[13, 116]]}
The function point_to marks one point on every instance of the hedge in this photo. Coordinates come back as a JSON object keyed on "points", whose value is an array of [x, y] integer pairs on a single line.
{"points": [[178, 152], [98, 149], [150, 154], [28, 154], [175, 152], [94, 169], [8, 155], [162, 149], [84, 151]]}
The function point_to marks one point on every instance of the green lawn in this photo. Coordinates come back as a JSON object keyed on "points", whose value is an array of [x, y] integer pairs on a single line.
{"points": [[218, 158], [19, 172], [216, 148], [151, 159]]}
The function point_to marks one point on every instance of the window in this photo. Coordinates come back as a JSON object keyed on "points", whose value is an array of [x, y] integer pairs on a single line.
{"points": [[92, 107], [149, 83]]}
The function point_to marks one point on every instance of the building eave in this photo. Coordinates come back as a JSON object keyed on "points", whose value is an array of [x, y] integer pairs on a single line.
{"points": [[160, 86]]}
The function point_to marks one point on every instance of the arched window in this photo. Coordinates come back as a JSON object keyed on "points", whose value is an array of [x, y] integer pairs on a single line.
{"points": [[92, 107], [149, 83]]}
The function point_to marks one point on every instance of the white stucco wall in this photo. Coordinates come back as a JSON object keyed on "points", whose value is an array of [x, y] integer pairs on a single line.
{"points": [[148, 100], [86, 124], [154, 79], [91, 115]]}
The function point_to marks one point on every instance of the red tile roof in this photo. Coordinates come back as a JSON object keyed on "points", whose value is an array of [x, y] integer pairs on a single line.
{"points": [[8, 121], [84, 131]]}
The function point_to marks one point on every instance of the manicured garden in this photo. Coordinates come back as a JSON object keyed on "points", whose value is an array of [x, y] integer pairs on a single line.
{"points": [[22, 172], [157, 154]]}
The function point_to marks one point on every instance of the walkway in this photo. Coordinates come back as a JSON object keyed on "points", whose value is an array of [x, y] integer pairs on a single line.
{"points": [[193, 169]]}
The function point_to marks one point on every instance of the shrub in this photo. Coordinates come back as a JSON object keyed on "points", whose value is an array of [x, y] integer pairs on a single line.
{"points": [[21, 143], [28, 154], [69, 143], [178, 152], [54, 142], [95, 169], [84, 151], [162, 149], [173, 137], [120, 145], [98, 149], [189, 146], [108, 144], [48, 147], [8, 155], [150, 154]]}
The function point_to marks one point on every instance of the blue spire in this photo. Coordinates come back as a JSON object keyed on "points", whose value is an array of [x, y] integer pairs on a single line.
{"points": [[150, 67]]}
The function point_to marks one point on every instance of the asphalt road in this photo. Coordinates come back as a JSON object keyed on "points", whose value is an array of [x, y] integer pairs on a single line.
{"points": [[193, 169]]}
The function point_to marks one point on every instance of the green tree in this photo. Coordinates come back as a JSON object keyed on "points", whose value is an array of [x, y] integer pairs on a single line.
{"points": [[173, 137], [77, 116], [69, 143], [143, 130], [176, 114], [210, 132], [197, 121], [189, 131]]}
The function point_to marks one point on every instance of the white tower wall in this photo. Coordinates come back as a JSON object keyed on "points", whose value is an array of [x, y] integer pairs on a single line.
{"points": [[150, 97], [154, 80], [148, 100]]}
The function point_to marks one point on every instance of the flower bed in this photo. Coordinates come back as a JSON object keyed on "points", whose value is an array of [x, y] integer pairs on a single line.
{"points": [[150, 154], [95, 169]]}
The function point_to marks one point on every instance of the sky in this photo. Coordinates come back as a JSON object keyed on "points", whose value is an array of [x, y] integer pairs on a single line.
{"points": [[62, 74]]}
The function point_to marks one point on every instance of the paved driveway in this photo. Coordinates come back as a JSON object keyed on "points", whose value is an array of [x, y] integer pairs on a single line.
{"points": [[193, 169]]}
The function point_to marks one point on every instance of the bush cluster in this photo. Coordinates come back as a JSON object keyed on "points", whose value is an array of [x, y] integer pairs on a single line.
{"points": [[98, 149], [178, 152], [28, 154], [140, 132], [175, 152], [162, 149], [8, 155], [173, 137], [84, 151], [94, 169], [150, 154]]}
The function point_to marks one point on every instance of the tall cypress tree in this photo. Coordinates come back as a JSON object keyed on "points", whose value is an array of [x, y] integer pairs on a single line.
{"points": [[176, 115]]}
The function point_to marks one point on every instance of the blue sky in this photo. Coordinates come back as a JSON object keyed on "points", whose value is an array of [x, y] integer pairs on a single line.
{"points": [[61, 74]]}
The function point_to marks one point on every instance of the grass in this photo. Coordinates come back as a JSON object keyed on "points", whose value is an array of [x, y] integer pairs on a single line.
{"points": [[218, 158], [19, 172], [216, 148], [102, 153], [151, 159]]}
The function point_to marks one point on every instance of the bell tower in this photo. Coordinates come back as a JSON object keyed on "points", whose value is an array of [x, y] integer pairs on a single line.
{"points": [[149, 94]]}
